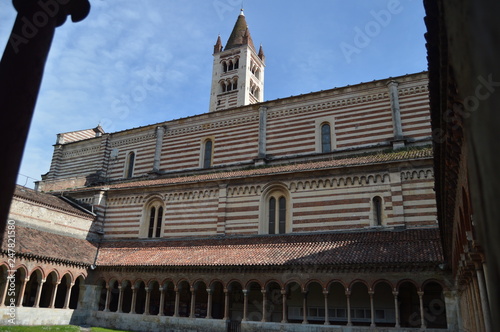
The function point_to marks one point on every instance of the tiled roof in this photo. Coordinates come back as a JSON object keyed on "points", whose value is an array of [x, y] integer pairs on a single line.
{"points": [[289, 168], [48, 200], [36, 243], [404, 247]]}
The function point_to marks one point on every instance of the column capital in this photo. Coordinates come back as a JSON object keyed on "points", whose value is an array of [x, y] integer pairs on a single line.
{"points": [[209, 290], [191, 289], [370, 292], [283, 292], [420, 293], [245, 292], [395, 293], [325, 292], [263, 291]]}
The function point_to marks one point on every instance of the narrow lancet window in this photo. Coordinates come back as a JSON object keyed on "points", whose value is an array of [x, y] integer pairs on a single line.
{"points": [[207, 154], [326, 143]]}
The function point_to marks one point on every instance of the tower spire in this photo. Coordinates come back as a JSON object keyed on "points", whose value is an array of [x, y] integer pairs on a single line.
{"points": [[238, 70]]}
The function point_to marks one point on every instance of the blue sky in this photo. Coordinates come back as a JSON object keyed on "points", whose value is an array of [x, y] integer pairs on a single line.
{"points": [[134, 63]]}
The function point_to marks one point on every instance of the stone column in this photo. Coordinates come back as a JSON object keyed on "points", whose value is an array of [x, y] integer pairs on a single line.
{"points": [[38, 293], [327, 318], [348, 295], [160, 131], [193, 301], [20, 297], [54, 293], [68, 295], [396, 307], [450, 301], [209, 303], [422, 313], [162, 301], [245, 305], [304, 307], [21, 73], [284, 320], [134, 299], [226, 304], [264, 305], [120, 298], [176, 305], [148, 301], [4, 293], [372, 309], [484, 298], [108, 298]]}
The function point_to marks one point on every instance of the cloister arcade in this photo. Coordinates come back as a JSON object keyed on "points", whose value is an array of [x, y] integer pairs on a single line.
{"points": [[38, 289], [383, 303]]}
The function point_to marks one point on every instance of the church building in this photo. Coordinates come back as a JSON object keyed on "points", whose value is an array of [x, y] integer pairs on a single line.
{"points": [[314, 212]]}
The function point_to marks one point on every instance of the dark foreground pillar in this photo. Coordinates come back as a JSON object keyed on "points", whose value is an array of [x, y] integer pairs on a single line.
{"points": [[21, 71]]}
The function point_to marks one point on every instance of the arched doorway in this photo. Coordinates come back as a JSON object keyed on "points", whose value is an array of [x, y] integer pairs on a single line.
{"points": [[294, 298], [126, 296], [434, 306], [201, 299], [409, 305], [254, 298], [154, 298], [62, 290], [48, 288], [114, 293], [184, 299], [75, 293], [101, 302], [383, 304], [140, 297], [315, 309], [337, 304], [236, 300], [217, 300], [169, 298], [360, 304]]}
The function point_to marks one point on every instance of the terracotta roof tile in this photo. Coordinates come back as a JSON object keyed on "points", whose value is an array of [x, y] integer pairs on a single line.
{"points": [[289, 168], [54, 247], [48, 200], [415, 246]]}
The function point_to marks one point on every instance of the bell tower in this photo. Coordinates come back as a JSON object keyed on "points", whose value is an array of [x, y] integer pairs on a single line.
{"points": [[238, 70]]}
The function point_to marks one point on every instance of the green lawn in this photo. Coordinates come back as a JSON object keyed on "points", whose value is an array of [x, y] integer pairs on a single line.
{"points": [[62, 328]]}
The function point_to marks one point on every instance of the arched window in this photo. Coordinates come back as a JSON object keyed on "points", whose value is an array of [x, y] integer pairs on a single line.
{"points": [[377, 211], [129, 167], [326, 140], [223, 86], [277, 215], [224, 67], [154, 219], [276, 211], [236, 63], [235, 84], [230, 67], [207, 153]]}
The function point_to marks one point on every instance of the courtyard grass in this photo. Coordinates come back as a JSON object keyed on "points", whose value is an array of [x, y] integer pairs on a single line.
{"points": [[56, 328]]}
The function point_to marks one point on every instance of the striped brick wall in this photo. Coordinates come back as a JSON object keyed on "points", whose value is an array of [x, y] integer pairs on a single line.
{"points": [[319, 202], [360, 116]]}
